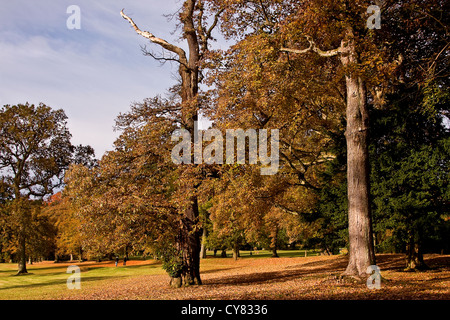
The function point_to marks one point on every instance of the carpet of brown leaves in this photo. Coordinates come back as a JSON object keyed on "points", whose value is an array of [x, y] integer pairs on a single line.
{"points": [[286, 278]]}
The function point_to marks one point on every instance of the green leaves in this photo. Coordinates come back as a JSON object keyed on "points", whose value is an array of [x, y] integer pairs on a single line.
{"points": [[410, 176]]}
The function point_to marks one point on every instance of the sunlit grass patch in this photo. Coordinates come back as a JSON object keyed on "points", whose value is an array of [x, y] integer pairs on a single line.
{"points": [[48, 280]]}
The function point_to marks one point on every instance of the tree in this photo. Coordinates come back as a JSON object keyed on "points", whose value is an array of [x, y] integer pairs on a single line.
{"points": [[63, 217], [361, 248], [310, 22], [410, 159], [84, 155], [333, 202], [367, 68], [35, 149], [41, 237], [134, 197], [192, 18], [257, 88]]}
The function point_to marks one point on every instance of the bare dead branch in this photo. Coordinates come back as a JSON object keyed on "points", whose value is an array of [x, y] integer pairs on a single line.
{"points": [[313, 47], [163, 43], [162, 57]]}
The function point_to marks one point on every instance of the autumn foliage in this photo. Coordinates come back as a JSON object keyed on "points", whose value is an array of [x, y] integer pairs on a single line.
{"points": [[364, 146]]}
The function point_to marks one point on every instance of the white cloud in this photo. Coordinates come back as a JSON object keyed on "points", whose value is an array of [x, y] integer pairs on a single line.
{"points": [[93, 73]]}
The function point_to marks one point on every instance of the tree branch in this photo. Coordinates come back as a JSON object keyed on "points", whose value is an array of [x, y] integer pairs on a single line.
{"points": [[287, 210], [205, 35], [163, 43], [161, 58], [313, 47]]}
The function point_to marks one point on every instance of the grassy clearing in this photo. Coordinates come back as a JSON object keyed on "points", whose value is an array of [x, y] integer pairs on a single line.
{"points": [[48, 280]]}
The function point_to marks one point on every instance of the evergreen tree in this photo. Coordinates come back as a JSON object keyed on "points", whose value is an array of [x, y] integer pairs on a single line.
{"points": [[409, 170]]}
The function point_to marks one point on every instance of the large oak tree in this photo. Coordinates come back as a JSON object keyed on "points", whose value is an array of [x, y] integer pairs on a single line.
{"points": [[332, 36], [192, 19], [35, 150]]}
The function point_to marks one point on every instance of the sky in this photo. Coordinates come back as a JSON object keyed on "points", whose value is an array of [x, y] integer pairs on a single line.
{"points": [[92, 73]]}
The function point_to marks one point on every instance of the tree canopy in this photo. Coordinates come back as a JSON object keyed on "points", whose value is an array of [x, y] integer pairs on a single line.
{"points": [[362, 133]]}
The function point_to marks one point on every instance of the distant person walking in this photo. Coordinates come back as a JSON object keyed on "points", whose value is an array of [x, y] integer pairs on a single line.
{"points": [[125, 261], [117, 261]]}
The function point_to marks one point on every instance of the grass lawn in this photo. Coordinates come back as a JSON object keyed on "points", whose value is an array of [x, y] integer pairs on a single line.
{"points": [[48, 280]]}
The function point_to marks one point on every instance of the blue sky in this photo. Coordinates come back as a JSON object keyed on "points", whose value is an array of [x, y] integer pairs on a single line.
{"points": [[93, 73]]}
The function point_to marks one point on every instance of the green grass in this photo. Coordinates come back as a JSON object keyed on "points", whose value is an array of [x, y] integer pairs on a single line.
{"points": [[48, 281]]}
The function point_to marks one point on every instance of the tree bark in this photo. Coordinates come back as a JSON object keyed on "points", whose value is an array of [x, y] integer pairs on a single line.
{"points": [[189, 90], [274, 253], [414, 255], [236, 251], [126, 252], [21, 212], [203, 246], [274, 242], [22, 266], [361, 251], [190, 244]]}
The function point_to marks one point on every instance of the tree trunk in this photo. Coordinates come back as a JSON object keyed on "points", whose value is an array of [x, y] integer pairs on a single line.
{"points": [[190, 244], [223, 254], [203, 247], [189, 113], [361, 251], [236, 251], [274, 253], [21, 211], [22, 267], [414, 255], [176, 282], [273, 244], [126, 252]]}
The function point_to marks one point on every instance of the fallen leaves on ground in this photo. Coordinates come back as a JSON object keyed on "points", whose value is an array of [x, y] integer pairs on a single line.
{"points": [[284, 278]]}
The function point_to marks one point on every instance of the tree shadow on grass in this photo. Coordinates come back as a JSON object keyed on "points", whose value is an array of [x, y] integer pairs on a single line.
{"points": [[218, 270], [397, 262], [56, 282], [41, 279], [323, 268], [315, 268], [435, 261], [83, 267]]}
